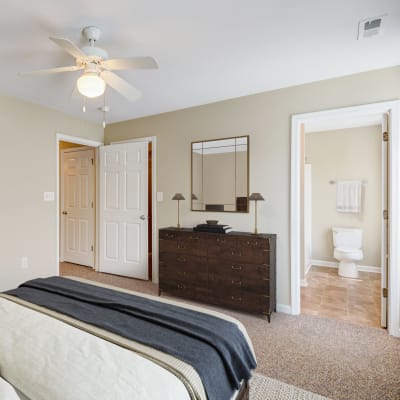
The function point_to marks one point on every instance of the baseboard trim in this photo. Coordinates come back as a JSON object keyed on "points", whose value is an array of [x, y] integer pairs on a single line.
{"points": [[283, 308], [308, 268], [331, 264]]}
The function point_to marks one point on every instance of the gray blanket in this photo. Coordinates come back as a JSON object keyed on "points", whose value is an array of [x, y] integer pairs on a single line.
{"points": [[216, 348]]}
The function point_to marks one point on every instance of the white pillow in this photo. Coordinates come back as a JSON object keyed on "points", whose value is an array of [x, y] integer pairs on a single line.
{"points": [[7, 392]]}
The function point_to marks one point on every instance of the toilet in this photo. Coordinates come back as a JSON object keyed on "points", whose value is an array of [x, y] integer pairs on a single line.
{"points": [[347, 243]]}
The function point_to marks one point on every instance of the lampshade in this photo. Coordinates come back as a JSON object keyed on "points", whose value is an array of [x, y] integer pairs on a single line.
{"points": [[91, 85], [194, 197], [178, 196], [256, 196]]}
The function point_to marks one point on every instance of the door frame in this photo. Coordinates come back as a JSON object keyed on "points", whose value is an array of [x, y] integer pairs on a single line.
{"points": [[60, 137], [393, 108], [154, 232]]}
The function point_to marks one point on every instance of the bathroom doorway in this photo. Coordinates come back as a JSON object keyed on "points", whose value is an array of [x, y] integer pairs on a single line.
{"points": [[341, 277], [390, 288]]}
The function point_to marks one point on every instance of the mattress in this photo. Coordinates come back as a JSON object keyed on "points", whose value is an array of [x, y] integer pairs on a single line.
{"points": [[71, 363]]}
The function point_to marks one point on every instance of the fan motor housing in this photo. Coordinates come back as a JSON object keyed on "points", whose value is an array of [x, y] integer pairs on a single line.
{"points": [[91, 33], [95, 52]]}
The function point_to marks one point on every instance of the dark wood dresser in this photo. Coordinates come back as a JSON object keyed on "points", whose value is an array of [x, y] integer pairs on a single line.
{"points": [[234, 270]]}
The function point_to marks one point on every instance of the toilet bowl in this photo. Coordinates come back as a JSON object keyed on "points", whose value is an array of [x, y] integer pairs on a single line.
{"points": [[347, 243]]}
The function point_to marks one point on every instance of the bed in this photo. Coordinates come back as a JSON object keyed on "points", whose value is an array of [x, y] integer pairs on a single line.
{"points": [[67, 338]]}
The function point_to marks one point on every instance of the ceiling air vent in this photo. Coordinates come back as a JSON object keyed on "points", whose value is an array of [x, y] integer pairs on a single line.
{"points": [[370, 27]]}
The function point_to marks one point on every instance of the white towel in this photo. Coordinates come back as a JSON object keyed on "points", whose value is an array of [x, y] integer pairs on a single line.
{"points": [[348, 196]]}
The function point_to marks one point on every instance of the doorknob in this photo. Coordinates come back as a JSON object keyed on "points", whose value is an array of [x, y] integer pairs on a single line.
{"points": [[65, 212], [143, 217]]}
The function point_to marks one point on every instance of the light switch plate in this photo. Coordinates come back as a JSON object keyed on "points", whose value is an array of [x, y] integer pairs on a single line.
{"points": [[48, 196], [160, 196]]}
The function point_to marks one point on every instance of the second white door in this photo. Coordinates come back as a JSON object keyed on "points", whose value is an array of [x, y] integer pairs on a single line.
{"points": [[78, 214], [123, 210]]}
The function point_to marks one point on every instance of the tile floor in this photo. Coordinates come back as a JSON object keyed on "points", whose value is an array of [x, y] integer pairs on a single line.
{"points": [[332, 296]]}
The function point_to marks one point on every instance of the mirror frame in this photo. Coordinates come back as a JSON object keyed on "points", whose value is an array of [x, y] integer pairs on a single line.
{"points": [[248, 173]]}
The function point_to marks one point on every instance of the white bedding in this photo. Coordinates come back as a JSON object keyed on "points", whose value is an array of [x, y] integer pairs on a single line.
{"points": [[7, 392], [68, 363], [49, 366]]}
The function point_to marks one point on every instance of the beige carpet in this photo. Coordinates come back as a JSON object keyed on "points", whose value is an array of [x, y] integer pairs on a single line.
{"points": [[264, 388], [335, 359]]}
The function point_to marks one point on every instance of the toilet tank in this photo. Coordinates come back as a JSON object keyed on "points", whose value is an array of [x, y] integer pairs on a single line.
{"points": [[347, 238]]}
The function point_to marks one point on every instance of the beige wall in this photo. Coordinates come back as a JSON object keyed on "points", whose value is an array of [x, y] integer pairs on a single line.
{"points": [[346, 154], [28, 165], [266, 118]]}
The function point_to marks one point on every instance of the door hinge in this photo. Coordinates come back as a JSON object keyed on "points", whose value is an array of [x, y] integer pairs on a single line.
{"points": [[91, 247], [385, 214], [92, 204], [92, 159], [385, 136], [384, 292]]}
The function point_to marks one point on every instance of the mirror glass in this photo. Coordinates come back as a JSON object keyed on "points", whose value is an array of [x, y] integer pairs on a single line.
{"points": [[220, 175]]}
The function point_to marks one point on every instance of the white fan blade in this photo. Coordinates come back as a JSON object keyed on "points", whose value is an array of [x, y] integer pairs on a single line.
{"points": [[121, 86], [52, 70], [69, 47], [130, 63]]}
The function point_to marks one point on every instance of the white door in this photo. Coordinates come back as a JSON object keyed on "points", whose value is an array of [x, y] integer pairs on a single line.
{"points": [[385, 220], [123, 210], [77, 207]]}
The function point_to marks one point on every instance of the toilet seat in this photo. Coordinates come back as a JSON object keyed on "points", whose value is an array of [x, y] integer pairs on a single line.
{"points": [[342, 253]]}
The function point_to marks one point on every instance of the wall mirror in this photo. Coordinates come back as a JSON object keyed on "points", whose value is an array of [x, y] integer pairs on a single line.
{"points": [[220, 175]]}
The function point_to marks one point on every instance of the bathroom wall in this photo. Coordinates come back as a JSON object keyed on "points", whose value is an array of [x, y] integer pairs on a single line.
{"points": [[346, 154]]}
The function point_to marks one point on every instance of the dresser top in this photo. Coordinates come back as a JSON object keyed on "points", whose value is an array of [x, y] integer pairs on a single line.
{"points": [[233, 233]]}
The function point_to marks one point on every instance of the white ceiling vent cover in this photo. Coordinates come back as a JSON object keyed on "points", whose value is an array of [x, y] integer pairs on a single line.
{"points": [[370, 27]]}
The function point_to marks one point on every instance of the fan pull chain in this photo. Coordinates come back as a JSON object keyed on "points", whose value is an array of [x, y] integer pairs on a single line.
{"points": [[84, 104], [104, 110]]}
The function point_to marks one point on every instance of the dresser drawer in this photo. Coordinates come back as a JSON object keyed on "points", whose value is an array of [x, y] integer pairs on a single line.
{"points": [[182, 267], [217, 266], [185, 289], [240, 300], [177, 242], [239, 282]]}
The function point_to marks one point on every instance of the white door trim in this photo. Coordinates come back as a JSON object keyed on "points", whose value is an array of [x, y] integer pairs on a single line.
{"points": [[60, 137], [154, 241], [393, 107]]}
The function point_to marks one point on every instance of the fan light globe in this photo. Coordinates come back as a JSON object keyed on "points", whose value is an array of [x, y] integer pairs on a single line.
{"points": [[91, 85]]}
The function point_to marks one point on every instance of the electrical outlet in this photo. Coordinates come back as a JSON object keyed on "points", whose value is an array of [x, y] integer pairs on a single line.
{"points": [[24, 262]]}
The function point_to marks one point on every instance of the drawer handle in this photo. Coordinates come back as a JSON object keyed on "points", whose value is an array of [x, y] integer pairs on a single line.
{"points": [[181, 246], [194, 238], [237, 267], [236, 298], [237, 283], [253, 243], [181, 259], [180, 286], [221, 240], [170, 235]]}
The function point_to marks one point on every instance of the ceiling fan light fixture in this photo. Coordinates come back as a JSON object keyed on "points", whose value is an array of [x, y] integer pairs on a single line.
{"points": [[91, 85]]}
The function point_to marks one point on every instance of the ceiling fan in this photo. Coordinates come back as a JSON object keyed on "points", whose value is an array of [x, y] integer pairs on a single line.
{"points": [[98, 67]]}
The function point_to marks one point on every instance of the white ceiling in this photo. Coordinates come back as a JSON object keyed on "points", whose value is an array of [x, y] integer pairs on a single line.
{"points": [[207, 50]]}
